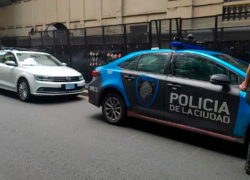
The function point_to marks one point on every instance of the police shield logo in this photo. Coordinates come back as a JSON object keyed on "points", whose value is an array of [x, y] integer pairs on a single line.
{"points": [[146, 89]]}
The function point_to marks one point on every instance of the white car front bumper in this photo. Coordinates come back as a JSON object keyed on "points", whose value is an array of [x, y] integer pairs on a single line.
{"points": [[40, 88]]}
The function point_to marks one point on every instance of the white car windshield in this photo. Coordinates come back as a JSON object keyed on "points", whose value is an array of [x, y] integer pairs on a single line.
{"points": [[33, 59]]}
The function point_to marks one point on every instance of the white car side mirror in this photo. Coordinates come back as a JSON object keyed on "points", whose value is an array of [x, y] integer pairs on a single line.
{"points": [[64, 64], [10, 63]]}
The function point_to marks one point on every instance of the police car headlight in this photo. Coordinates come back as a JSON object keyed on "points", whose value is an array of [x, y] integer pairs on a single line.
{"points": [[44, 78], [81, 78]]}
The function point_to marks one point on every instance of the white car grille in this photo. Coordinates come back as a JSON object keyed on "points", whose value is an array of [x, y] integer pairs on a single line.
{"points": [[66, 79]]}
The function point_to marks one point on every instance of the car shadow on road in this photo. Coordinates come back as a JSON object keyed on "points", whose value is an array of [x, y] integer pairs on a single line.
{"points": [[55, 99], [42, 99], [9, 94], [195, 139]]}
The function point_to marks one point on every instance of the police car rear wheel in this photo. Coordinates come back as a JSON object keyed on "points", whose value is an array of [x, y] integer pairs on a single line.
{"points": [[113, 109]]}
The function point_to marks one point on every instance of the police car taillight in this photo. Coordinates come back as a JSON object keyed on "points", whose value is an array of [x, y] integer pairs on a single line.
{"points": [[95, 73]]}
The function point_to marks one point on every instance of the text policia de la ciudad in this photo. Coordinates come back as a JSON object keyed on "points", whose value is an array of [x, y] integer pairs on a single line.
{"points": [[205, 108]]}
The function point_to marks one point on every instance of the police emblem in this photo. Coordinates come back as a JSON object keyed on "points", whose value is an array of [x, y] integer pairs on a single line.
{"points": [[146, 89]]}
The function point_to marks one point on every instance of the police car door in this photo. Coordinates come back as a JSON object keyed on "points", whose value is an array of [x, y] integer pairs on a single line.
{"points": [[144, 82], [192, 100]]}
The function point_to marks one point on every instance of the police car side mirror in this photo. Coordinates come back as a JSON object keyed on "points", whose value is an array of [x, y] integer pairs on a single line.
{"points": [[222, 80]]}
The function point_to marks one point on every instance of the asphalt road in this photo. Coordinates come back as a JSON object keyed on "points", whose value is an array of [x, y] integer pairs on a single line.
{"points": [[61, 138]]}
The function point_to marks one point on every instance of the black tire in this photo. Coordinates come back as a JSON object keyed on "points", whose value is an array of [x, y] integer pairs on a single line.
{"points": [[246, 144], [114, 109], [23, 90]]}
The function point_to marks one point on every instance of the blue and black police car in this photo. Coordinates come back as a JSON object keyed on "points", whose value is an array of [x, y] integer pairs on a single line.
{"points": [[186, 87]]}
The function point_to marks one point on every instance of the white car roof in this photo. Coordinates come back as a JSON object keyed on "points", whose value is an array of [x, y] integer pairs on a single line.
{"points": [[28, 52]]}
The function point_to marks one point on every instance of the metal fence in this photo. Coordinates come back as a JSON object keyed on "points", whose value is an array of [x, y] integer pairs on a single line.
{"points": [[84, 49], [227, 35]]}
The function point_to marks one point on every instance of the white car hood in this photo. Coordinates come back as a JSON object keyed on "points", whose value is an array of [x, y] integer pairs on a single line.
{"points": [[55, 71]]}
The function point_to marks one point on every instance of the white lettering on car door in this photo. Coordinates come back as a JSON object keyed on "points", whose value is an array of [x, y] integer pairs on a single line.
{"points": [[206, 108]]}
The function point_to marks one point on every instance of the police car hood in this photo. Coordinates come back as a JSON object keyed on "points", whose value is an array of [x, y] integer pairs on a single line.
{"points": [[51, 70]]}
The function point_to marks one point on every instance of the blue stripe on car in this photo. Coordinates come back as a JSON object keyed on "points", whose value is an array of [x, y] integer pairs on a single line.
{"points": [[243, 117], [113, 80]]}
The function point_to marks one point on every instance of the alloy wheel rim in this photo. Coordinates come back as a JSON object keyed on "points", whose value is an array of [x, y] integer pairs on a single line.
{"points": [[113, 109], [23, 90]]}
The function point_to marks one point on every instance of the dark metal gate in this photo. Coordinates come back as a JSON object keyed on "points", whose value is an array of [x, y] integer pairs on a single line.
{"points": [[221, 33], [87, 48]]}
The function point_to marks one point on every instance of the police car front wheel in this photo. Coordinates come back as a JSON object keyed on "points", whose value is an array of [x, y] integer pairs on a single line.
{"points": [[113, 109]]}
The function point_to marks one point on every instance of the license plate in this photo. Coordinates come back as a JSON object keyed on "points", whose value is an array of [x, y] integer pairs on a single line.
{"points": [[69, 86]]}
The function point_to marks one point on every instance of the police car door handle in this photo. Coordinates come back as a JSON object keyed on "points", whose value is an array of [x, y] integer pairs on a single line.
{"points": [[130, 78], [173, 85]]}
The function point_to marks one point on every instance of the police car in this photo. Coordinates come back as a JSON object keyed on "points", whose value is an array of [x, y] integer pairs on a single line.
{"points": [[185, 87]]}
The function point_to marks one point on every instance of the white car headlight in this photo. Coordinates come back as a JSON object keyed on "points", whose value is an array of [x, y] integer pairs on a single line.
{"points": [[81, 78], [44, 78]]}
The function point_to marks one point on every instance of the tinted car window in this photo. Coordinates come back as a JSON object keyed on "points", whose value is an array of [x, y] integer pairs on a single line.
{"points": [[2, 60], [130, 64], [152, 63], [196, 67], [192, 67], [242, 79], [9, 57], [237, 63], [233, 78], [215, 68]]}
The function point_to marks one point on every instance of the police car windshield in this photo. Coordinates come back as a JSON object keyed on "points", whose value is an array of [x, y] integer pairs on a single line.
{"points": [[32, 59], [237, 63]]}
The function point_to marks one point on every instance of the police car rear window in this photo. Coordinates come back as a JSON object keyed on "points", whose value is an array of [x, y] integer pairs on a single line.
{"points": [[237, 63], [129, 64]]}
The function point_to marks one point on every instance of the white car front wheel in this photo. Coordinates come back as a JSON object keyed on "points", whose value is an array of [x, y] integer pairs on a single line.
{"points": [[24, 90]]}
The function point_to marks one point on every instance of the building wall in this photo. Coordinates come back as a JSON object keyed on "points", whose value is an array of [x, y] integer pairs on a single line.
{"points": [[18, 19]]}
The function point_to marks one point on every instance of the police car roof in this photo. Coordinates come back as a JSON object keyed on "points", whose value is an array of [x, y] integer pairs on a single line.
{"points": [[183, 50], [199, 51], [150, 51], [133, 54]]}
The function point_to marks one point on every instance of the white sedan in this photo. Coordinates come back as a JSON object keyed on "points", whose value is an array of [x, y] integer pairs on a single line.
{"points": [[32, 73]]}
